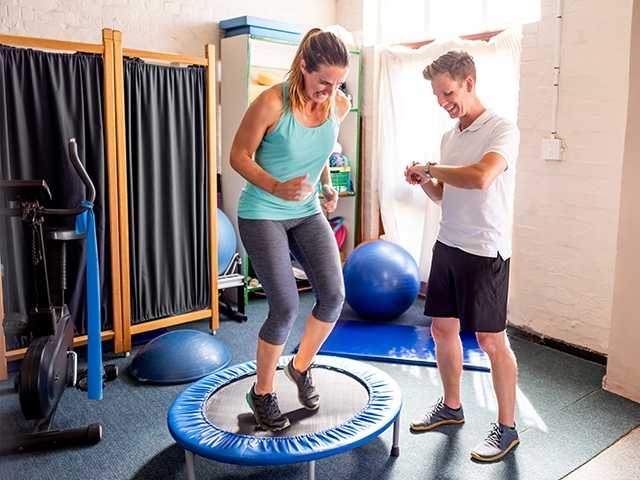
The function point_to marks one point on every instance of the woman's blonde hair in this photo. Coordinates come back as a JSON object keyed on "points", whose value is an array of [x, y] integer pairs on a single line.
{"points": [[317, 48]]}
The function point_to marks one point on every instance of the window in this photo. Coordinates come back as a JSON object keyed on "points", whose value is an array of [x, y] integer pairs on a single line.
{"points": [[442, 18], [415, 20]]}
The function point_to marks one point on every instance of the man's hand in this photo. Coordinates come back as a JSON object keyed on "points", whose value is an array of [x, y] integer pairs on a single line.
{"points": [[296, 189], [414, 174], [330, 201]]}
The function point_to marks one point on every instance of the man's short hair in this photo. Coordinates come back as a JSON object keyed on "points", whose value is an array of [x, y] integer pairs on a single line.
{"points": [[457, 63]]}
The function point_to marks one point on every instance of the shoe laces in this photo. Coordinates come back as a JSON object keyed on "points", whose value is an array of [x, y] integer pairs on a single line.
{"points": [[307, 381], [269, 406], [435, 409], [495, 435]]}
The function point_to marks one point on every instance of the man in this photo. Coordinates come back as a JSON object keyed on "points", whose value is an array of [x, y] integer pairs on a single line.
{"points": [[468, 282]]}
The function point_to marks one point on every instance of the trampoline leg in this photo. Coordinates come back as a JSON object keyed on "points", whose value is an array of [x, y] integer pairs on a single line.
{"points": [[191, 471], [395, 448], [312, 470]]}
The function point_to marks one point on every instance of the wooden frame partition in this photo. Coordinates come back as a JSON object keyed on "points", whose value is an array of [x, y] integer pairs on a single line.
{"points": [[166, 58], [3, 360], [106, 50]]}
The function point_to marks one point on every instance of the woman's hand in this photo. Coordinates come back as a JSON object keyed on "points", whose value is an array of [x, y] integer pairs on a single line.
{"points": [[330, 201], [296, 189]]}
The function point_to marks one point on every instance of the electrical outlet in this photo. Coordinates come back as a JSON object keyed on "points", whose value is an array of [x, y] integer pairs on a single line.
{"points": [[552, 149]]}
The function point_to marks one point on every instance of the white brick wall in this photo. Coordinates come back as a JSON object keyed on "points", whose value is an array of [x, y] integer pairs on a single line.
{"points": [[566, 213], [176, 26], [349, 15]]}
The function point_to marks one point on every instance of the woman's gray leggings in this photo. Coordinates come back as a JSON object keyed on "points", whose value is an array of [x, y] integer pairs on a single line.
{"points": [[269, 244]]}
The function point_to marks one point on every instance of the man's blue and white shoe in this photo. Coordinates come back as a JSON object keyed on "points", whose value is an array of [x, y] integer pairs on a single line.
{"points": [[440, 414], [499, 442]]}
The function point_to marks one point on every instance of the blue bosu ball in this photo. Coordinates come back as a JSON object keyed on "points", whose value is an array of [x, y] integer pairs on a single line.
{"points": [[381, 280], [179, 356], [226, 241]]}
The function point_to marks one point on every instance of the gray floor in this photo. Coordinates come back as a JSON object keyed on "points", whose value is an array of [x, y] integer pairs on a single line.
{"points": [[564, 417], [621, 461]]}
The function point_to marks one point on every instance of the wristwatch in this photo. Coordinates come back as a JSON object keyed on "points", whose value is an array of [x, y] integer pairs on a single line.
{"points": [[427, 169]]}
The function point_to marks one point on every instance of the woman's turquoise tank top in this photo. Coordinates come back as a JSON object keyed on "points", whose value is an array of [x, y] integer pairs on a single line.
{"points": [[288, 151]]}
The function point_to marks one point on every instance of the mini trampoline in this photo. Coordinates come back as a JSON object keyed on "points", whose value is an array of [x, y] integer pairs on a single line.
{"points": [[212, 419]]}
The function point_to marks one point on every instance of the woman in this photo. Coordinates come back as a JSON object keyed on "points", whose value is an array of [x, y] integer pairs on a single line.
{"points": [[291, 129]]}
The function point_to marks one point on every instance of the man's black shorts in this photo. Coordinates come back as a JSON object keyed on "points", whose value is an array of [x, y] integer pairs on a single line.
{"points": [[469, 287]]}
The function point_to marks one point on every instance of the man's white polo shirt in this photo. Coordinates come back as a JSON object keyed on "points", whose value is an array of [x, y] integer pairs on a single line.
{"points": [[480, 221]]}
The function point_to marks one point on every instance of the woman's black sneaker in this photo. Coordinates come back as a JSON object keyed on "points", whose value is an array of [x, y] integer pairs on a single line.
{"points": [[307, 394], [266, 411]]}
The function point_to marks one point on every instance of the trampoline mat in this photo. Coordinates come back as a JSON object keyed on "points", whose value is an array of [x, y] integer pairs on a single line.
{"points": [[341, 398]]}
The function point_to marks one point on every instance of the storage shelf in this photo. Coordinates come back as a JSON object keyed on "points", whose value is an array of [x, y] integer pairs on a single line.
{"points": [[244, 56], [273, 40]]}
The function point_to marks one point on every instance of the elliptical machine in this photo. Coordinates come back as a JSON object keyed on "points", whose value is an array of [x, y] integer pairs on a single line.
{"points": [[50, 364]]}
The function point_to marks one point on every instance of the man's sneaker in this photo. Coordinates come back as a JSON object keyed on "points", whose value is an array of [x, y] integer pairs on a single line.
{"points": [[439, 415], [500, 441], [266, 411], [307, 394]]}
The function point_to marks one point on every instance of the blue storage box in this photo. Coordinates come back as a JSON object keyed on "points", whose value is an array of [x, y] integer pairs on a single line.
{"points": [[262, 27]]}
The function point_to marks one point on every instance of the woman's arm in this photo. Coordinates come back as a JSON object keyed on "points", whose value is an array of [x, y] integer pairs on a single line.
{"points": [[263, 113]]}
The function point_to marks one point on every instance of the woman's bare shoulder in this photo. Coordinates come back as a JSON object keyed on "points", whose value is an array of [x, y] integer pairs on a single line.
{"points": [[270, 100]]}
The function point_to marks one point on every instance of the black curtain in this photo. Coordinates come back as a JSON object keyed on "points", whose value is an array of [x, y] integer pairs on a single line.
{"points": [[46, 99], [168, 189]]}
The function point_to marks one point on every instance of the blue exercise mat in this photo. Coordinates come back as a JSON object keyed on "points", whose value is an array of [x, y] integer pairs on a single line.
{"points": [[388, 342]]}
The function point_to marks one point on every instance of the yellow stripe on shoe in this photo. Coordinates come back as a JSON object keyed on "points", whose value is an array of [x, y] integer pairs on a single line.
{"points": [[494, 458], [421, 427]]}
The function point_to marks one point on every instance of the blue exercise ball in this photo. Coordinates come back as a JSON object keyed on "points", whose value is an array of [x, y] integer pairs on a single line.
{"points": [[381, 280], [179, 356], [226, 242]]}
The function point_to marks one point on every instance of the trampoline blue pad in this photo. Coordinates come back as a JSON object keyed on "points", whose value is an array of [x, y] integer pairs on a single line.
{"points": [[192, 430], [387, 342]]}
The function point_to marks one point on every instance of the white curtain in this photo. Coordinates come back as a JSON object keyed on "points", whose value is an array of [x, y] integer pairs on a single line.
{"points": [[410, 125]]}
